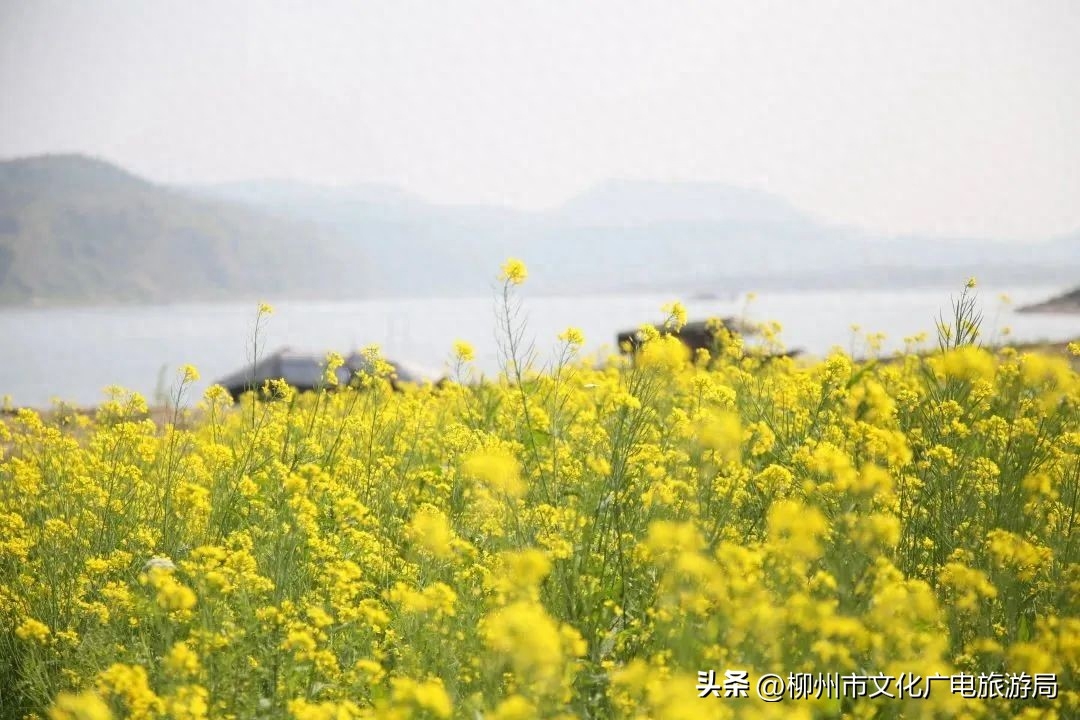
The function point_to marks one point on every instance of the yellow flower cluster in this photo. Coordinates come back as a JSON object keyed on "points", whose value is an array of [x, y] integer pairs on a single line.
{"points": [[513, 272], [579, 542], [463, 351]]}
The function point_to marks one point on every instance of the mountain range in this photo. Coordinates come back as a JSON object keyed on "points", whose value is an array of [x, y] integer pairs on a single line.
{"points": [[74, 229]]}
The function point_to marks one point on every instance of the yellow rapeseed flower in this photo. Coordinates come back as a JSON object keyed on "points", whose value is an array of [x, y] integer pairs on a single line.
{"points": [[533, 642], [33, 630], [181, 660], [83, 706], [518, 574], [497, 468], [722, 433], [171, 594], [665, 352], [970, 586], [429, 695], [301, 709], [514, 707], [968, 363], [189, 373], [463, 351], [190, 702], [572, 336], [677, 315], [334, 361], [431, 530], [131, 685], [1013, 552], [797, 529], [513, 272]]}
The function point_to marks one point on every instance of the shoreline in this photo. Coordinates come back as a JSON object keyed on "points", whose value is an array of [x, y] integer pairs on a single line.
{"points": [[1068, 303], [1051, 307], [160, 413]]}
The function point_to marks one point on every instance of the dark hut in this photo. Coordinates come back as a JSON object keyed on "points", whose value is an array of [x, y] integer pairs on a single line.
{"points": [[305, 371], [697, 335]]}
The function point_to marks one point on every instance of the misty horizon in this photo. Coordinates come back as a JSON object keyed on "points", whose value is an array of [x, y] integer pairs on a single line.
{"points": [[400, 193]]}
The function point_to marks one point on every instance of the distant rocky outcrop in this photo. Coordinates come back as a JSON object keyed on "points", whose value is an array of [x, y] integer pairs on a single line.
{"points": [[1066, 303]]}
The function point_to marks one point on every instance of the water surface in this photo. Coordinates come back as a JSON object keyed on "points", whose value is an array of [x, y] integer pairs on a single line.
{"points": [[72, 354]]}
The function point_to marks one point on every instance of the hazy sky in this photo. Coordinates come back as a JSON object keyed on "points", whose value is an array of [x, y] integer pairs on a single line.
{"points": [[939, 117]]}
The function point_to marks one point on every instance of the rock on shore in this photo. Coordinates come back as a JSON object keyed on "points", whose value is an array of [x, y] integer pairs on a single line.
{"points": [[1067, 303]]}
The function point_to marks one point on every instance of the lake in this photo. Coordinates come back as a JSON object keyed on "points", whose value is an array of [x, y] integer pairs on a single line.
{"points": [[72, 354]]}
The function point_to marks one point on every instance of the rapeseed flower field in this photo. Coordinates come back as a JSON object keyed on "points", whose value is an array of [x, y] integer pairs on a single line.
{"points": [[619, 537]]}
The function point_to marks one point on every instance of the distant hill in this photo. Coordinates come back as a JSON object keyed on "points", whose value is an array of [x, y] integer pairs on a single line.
{"points": [[415, 247], [633, 236], [75, 229]]}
